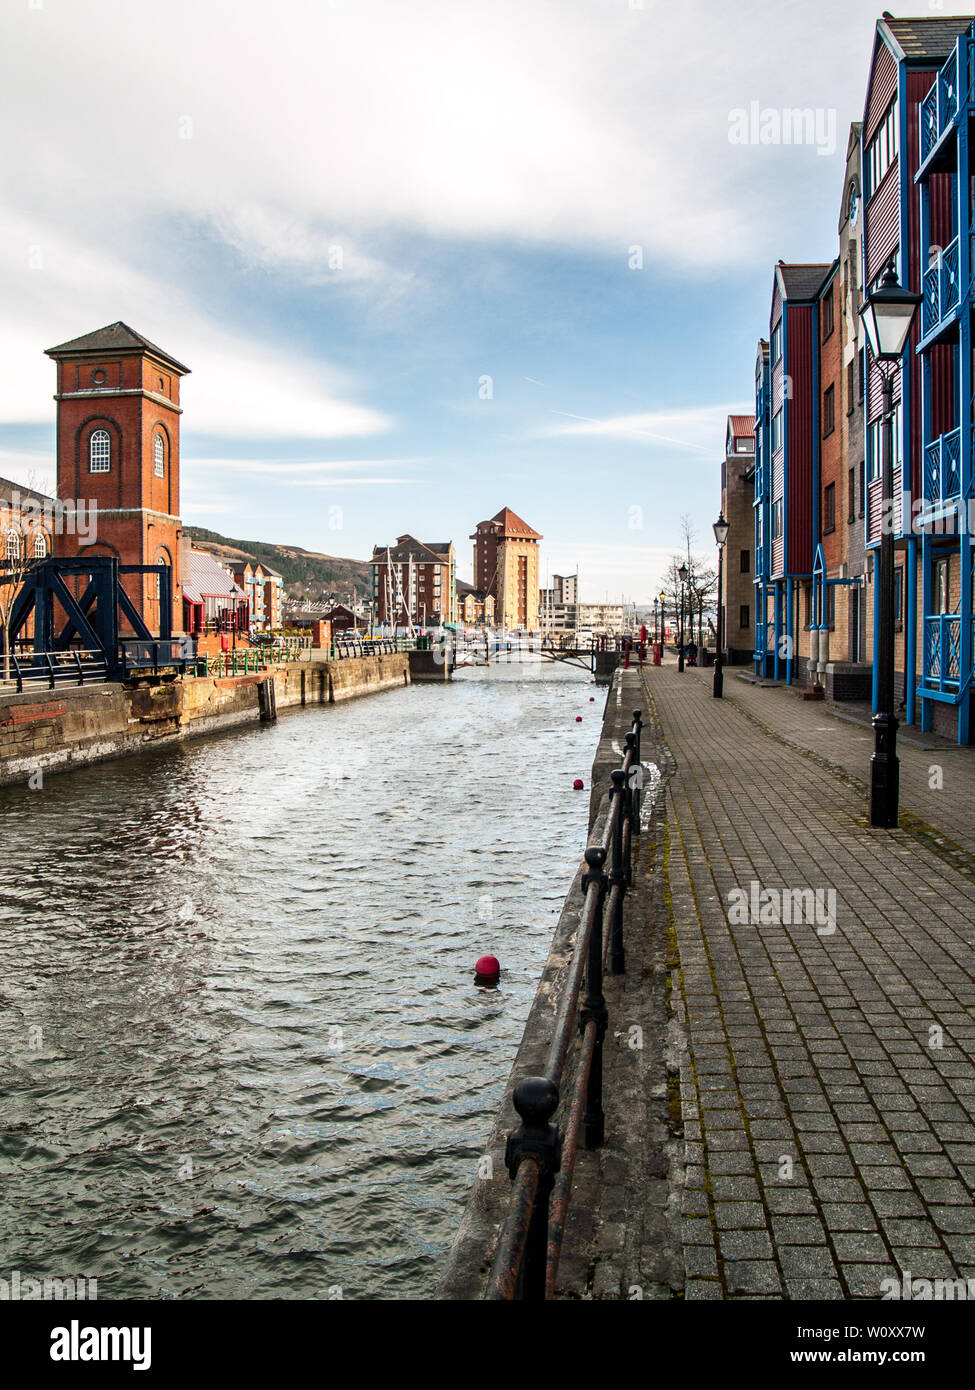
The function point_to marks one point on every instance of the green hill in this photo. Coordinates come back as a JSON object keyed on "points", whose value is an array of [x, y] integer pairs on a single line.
{"points": [[306, 573]]}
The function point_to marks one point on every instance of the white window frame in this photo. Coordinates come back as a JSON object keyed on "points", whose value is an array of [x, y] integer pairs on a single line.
{"points": [[159, 456], [100, 457]]}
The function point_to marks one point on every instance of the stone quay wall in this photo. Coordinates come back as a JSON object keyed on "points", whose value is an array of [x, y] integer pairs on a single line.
{"points": [[51, 731]]}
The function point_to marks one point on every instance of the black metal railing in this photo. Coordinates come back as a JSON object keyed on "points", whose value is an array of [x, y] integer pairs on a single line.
{"points": [[47, 670], [540, 1161]]}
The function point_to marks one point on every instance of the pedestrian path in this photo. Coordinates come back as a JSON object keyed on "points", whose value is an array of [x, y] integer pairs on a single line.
{"points": [[822, 987]]}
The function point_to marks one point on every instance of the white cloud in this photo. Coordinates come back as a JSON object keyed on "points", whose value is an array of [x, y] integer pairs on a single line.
{"points": [[593, 122], [699, 428], [288, 470], [55, 283], [29, 469]]}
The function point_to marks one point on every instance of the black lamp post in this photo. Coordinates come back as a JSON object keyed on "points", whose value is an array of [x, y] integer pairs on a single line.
{"points": [[887, 315], [663, 619], [721, 529], [656, 609], [682, 576]]}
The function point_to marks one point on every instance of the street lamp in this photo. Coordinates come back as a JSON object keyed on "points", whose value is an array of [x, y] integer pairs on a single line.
{"points": [[656, 610], [682, 576], [721, 529], [663, 619], [887, 315]]}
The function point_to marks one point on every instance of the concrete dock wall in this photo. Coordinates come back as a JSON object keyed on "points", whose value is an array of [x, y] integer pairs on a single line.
{"points": [[54, 730]]}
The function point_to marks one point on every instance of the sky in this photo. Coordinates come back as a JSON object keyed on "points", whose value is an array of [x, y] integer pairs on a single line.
{"points": [[425, 258]]}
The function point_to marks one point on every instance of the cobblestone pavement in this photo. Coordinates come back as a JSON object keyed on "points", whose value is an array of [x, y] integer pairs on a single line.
{"points": [[826, 1065]]}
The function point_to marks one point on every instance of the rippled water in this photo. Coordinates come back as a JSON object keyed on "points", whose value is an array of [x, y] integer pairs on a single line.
{"points": [[242, 1054]]}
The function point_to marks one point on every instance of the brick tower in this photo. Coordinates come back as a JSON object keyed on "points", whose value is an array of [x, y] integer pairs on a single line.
{"points": [[118, 448], [506, 567]]}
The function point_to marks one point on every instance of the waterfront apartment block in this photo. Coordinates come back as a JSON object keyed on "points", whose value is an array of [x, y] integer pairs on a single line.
{"points": [[475, 607], [264, 588], [737, 505], [414, 583], [506, 567], [118, 416], [557, 605], [906, 202]]}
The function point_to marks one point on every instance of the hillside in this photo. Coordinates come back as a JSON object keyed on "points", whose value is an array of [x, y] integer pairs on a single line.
{"points": [[306, 573]]}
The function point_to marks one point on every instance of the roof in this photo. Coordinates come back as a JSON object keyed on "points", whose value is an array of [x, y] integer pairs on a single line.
{"points": [[409, 548], [114, 337], [926, 36], [204, 577], [510, 525], [802, 281], [11, 491], [741, 426]]}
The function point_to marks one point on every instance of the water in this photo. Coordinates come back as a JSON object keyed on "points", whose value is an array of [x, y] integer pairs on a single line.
{"points": [[242, 1055]]}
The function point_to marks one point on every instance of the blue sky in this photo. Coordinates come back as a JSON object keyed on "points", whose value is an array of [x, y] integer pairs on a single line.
{"points": [[346, 214]]}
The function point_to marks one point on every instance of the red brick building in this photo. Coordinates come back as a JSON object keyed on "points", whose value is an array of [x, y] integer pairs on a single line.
{"points": [[414, 582], [118, 448]]}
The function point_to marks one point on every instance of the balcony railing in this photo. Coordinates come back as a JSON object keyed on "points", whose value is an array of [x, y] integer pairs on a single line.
{"points": [[942, 651], [942, 469], [942, 288], [939, 107]]}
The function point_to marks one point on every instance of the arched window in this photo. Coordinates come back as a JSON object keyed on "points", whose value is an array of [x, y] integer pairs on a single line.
{"points": [[13, 545], [159, 457], [40, 545], [163, 557], [99, 452]]}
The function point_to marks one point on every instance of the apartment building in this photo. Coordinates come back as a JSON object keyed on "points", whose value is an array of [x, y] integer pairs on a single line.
{"points": [[506, 567], [819, 427], [737, 506], [414, 583]]}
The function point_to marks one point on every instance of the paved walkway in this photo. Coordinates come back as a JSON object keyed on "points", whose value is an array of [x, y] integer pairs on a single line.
{"points": [[827, 1066]]}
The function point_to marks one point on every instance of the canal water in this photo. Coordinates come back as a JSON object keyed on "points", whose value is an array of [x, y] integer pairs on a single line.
{"points": [[241, 1050]]}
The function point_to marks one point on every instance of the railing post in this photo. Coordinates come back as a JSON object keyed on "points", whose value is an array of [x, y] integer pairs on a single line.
{"points": [[619, 875], [594, 1009], [633, 747], [536, 1100], [637, 729]]}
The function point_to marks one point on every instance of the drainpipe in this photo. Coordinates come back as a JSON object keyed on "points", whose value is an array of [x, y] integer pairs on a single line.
{"points": [[910, 631]]}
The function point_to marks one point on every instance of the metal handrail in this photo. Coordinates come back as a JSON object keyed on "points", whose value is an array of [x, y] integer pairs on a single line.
{"points": [[540, 1162]]}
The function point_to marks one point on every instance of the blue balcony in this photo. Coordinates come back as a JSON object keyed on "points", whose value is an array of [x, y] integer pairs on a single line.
{"points": [[942, 470], [940, 107], [941, 289], [942, 652]]}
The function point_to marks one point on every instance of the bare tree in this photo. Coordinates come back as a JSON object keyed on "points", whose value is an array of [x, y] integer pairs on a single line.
{"points": [[700, 587], [18, 554]]}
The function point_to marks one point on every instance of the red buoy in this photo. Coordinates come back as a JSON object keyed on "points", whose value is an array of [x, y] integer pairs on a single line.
{"points": [[591, 698], [578, 718], [487, 970], [577, 785]]}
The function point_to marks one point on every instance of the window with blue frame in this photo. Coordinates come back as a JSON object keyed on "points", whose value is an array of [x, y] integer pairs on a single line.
{"points": [[776, 431]]}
